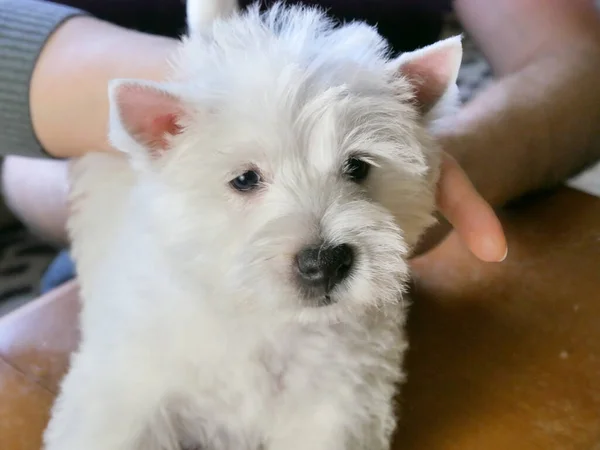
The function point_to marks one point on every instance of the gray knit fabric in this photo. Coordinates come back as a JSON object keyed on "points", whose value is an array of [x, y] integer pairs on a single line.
{"points": [[25, 26]]}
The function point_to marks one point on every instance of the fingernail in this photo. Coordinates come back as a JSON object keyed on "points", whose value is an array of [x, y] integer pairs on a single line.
{"points": [[505, 255], [488, 250]]}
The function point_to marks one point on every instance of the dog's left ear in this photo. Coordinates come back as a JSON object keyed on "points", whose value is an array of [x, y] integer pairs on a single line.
{"points": [[144, 117], [432, 71]]}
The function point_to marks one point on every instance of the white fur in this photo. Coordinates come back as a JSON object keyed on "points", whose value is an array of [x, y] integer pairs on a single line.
{"points": [[193, 334], [201, 13]]}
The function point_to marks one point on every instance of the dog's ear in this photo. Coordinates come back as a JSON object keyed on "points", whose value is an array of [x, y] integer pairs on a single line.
{"points": [[432, 71], [144, 117], [201, 13]]}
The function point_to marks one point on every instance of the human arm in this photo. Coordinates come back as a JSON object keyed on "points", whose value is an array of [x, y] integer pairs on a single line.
{"points": [[57, 62], [95, 52], [535, 126], [538, 123], [24, 27]]}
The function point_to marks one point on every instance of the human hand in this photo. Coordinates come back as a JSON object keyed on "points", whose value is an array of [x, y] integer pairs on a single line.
{"points": [[461, 207]]}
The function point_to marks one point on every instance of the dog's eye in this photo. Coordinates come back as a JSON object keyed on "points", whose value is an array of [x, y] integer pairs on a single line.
{"points": [[357, 169], [246, 182]]}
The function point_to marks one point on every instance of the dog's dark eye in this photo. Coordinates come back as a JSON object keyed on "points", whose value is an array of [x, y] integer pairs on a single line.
{"points": [[356, 169], [246, 182]]}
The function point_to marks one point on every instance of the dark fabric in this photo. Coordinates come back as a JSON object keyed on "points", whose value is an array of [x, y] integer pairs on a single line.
{"points": [[407, 24]]}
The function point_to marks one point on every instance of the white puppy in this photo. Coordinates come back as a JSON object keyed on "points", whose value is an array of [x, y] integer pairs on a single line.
{"points": [[242, 266]]}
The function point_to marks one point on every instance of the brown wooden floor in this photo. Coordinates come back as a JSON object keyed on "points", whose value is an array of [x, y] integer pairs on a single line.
{"points": [[503, 356]]}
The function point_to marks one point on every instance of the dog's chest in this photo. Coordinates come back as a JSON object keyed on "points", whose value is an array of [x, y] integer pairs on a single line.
{"points": [[264, 367], [260, 383]]}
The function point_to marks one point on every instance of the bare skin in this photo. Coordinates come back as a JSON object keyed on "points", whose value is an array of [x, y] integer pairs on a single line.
{"points": [[512, 138], [535, 126]]}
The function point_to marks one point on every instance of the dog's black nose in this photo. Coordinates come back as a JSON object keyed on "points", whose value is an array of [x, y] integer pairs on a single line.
{"points": [[324, 267]]}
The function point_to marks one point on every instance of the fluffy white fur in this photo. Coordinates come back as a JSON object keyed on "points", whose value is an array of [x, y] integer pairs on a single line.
{"points": [[194, 333]]}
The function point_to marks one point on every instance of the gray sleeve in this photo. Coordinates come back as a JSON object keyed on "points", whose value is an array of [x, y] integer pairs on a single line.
{"points": [[25, 26]]}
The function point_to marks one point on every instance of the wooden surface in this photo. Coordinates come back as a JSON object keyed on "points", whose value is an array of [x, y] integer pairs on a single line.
{"points": [[503, 356]]}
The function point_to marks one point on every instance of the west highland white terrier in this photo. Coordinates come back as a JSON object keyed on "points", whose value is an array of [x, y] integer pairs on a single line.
{"points": [[243, 264]]}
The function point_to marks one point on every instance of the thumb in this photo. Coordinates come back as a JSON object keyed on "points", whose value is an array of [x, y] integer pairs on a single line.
{"points": [[461, 207], [471, 216]]}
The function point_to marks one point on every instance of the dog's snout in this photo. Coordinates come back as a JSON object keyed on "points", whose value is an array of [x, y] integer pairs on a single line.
{"points": [[324, 267]]}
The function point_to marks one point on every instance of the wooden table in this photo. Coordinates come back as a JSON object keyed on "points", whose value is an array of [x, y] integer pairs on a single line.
{"points": [[504, 356]]}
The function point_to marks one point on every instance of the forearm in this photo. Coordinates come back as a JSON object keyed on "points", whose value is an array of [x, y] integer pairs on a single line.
{"points": [[69, 87], [512, 33], [24, 28], [537, 125]]}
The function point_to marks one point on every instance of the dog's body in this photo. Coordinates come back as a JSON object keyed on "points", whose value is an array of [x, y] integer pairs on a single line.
{"points": [[242, 269]]}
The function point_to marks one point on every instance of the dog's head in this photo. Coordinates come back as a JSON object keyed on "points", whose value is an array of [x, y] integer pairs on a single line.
{"points": [[288, 164]]}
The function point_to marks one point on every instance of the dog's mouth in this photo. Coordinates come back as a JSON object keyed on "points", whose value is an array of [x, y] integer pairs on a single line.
{"points": [[318, 298], [325, 300]]}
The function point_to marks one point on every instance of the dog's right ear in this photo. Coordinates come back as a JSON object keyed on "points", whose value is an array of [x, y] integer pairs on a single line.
{"points": [[201, 13], [144, 117]]}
